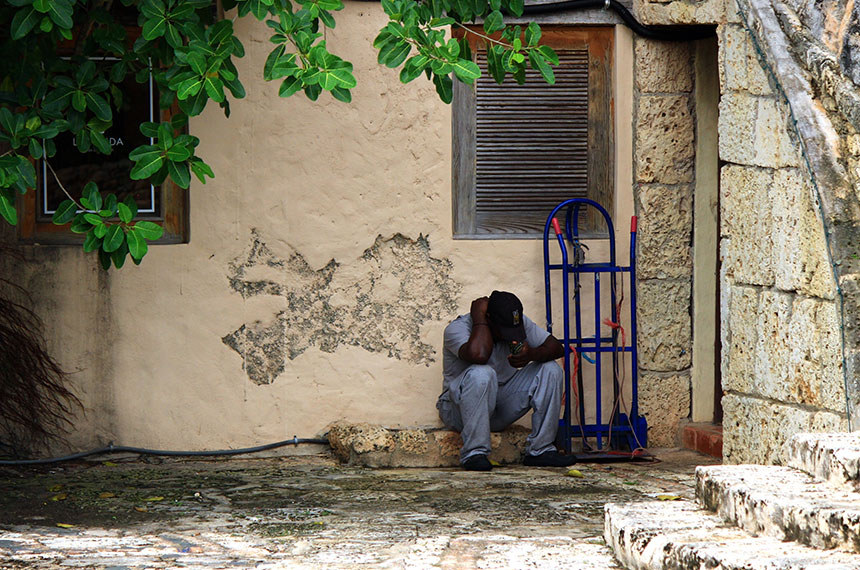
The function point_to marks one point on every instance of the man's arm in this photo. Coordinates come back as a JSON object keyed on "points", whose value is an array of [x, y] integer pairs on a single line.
{"points": [[479, 347], [551, 349]]}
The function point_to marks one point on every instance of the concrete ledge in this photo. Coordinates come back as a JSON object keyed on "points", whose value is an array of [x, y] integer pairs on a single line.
{"points": [[782, 503], [679, 536], [833, 457], [372, 445]]}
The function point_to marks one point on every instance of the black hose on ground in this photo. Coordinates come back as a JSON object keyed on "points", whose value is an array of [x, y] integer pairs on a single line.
{"points": [[670, 34], [144, 451]]}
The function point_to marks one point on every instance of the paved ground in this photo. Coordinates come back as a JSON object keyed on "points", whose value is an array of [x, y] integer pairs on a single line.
{"points": [[311, 513]]}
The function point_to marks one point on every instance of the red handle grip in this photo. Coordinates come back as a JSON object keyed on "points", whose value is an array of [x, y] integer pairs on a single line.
{"points": [[556, 227], [633, 223]]}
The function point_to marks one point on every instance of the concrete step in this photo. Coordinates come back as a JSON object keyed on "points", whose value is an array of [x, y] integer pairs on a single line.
{"points": [[832, 457], [679, 536], [782, 503]]}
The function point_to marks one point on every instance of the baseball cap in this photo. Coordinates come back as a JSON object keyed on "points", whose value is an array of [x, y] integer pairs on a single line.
{"points": [[506, 312]]}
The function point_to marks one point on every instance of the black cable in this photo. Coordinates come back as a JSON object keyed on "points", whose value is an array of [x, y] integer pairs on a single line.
{"points": [[144, 451], [671, 34]]}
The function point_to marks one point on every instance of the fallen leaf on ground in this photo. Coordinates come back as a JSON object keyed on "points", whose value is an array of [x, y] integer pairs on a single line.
{"points": [[106, 495], [64, 525], [575, 473], [109, 464], [141, 509], [495, 463], [668, 497], [154, 499], [60, 497], [55, 488]]}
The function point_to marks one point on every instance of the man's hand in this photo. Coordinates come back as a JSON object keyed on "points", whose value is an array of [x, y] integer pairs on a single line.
{"points": [[522, 357], [479, 309]]}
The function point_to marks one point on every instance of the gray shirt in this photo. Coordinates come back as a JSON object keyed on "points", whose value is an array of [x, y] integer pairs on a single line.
{"points": [[457, 334]]}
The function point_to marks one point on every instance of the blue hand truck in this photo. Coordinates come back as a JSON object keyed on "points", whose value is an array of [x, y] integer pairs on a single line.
{"points": [[621, 436]]}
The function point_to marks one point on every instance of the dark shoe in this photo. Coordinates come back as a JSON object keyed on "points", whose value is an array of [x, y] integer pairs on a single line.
{"points": [[549, 459], [477, 463]]}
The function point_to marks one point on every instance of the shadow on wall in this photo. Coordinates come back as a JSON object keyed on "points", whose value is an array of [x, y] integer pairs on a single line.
{"points": [[378, 302]]}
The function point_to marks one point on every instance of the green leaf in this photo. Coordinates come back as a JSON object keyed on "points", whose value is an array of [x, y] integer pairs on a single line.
{"points": [[466, 71], [549, 54], [149, 130], [179, 173], [92, 241], [100, 231], [61, 13], [118, 256], [201, 169], [93, 219], [104, 259], [444, 87], [100, 142], [92, 195], [154, 28], [393, 53], [7, 210], [533, 34], [178, 153], [24, 21], [35, 149], [131, 205], [289, 86], [110, 204], [148, 230], [538, 62], [80, 225], [146, 165], [124, 212], [79, 101], [214, 88], [197, 62], [341, 94], [65, 213], [189, 87], [113, 238], [136, 244], [494, 22], [312, 92], [516, 7], [42, 5]]}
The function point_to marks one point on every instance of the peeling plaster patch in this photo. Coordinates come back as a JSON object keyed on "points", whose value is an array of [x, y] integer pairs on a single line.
{"points": [[262, 349], [378, 303], [258, 255]]}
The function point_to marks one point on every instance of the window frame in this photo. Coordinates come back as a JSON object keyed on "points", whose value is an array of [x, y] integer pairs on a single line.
{"points": [[172, 215], [600, 41]]}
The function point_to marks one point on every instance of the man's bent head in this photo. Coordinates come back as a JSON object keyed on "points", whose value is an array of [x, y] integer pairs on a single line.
{"points": [[505, 312]]}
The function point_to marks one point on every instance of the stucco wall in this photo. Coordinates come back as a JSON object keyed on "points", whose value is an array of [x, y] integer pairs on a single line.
{"points": [[320, 273]]}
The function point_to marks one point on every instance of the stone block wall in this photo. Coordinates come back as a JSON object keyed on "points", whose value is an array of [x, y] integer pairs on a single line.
{"points": [[782, 354], [663, 169]]}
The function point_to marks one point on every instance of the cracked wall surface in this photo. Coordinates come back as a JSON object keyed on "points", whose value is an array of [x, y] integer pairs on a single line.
{"points": [[399, 286]]}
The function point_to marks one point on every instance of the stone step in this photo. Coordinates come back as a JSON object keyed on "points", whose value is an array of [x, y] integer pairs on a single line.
{"points": [[832, 457], [782, 503], [679, 536]]}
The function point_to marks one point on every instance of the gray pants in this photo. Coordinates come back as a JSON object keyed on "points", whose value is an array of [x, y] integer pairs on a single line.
{"points": [[476, 404]]}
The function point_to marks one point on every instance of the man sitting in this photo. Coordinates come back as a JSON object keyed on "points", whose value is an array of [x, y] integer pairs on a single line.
{"points": [[498, 364]]}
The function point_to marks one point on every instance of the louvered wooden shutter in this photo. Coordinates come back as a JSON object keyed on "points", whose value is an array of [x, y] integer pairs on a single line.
{"points": [[531, 144], [525, 148]]}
